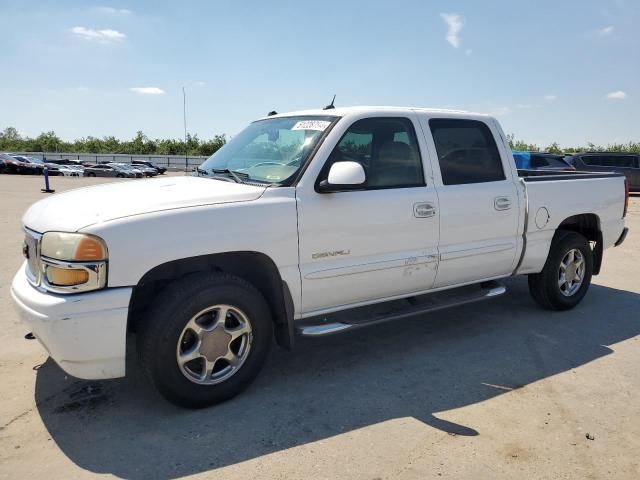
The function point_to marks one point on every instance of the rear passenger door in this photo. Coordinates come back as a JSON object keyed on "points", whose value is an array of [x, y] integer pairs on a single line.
{"points": [[478, 199]]}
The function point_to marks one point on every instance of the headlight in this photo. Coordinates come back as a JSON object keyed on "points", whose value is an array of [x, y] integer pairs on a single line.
{"points": [[73, 262], [73, 247]]}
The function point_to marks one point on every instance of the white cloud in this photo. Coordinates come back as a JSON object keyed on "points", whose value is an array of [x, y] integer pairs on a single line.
{"points": [[523, 105], [454, 25], [468, 52], [147, 90], [200, 83], [101, 36], [608, 30], [112, 11], [617, 95], [550, 97]]}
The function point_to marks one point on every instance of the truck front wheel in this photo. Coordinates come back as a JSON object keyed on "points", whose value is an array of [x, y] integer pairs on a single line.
{"points": [[566, 276], [205, 339]]}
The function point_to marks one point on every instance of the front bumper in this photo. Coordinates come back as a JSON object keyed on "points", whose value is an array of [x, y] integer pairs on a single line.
{"points": [[84, 333]]}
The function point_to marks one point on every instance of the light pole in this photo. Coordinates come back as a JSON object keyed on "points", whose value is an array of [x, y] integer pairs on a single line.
{"points": [[184, 116]]}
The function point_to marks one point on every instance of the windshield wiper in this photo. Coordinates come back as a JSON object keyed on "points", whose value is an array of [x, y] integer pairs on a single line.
{"points": [[235, 175]]}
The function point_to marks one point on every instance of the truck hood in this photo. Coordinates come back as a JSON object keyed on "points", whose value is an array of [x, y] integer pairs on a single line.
{"points": [[76, 209]]}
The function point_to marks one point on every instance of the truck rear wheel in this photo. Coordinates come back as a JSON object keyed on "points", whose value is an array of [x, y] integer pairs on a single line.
{"points": [[206, 339], [566, 276]]}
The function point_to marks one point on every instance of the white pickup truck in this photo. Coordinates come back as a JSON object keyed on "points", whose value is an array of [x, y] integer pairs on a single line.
{"points": [[305, 223]]}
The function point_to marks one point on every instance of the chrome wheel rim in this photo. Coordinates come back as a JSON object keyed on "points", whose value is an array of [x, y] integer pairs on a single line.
{"points": [[571, 272], [214, 344]]}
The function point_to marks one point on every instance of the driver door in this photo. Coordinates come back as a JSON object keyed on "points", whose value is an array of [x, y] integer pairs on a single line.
{"points": [[376, 242]]}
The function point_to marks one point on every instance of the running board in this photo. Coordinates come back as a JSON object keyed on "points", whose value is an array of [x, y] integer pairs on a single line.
{"points": [[396, 309]]}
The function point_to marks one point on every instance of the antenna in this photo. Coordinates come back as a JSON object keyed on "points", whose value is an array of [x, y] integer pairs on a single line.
{"points": [[330, 106], [184, 116], [272, 113]]}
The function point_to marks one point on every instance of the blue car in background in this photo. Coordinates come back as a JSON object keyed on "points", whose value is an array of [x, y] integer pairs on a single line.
{"points": [[540, 161]]}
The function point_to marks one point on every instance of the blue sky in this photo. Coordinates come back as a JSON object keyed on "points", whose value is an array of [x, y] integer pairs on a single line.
{"points": [[566, 71]]}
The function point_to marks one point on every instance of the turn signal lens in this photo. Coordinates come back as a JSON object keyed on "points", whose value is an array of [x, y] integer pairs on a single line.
{"points": [[65, 277], [89, 248], [73, 247]]}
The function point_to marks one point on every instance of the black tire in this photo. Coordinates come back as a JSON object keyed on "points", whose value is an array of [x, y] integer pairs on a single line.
{"points": [[544, 287], [120, 175], [91, 174], [163, 324]]}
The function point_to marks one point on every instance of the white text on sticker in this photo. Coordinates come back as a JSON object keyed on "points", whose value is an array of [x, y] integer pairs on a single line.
{"points": [[319, 125]]}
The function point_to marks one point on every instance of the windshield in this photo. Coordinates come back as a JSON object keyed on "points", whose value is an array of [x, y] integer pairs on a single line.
{"points": [[268, 151]]}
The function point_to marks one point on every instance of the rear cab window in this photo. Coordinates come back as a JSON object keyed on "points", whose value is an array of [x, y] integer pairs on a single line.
{"points": [[467, 152]]}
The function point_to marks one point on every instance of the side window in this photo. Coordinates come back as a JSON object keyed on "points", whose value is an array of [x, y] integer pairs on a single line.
{"points": [[597, 160], [624, 161], [386, 148], [610, 161], [467, 152], [545, 161], [538, 161]]}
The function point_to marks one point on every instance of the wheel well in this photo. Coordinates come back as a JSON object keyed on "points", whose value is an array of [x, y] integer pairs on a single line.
{"points": [[588, 225], [256, 268]]}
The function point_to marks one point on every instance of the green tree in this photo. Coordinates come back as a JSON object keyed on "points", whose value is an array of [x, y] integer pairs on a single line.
{"points": [[554, 148]]}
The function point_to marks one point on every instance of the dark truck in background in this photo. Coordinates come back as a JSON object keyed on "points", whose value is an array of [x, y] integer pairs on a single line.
{"points": [[625, 163]]}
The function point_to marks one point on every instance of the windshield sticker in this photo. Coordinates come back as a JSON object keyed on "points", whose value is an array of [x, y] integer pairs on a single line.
{"points": [[319, 125]]}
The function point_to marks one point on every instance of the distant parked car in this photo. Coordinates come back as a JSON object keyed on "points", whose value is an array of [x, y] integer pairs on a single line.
{"points": [[71, 170], [159, 169], [5, 160], [39, 164], [109, 171], [540, 161], [128, 168], [16, 164], [625, 163], [146, 171], [66, 161]]}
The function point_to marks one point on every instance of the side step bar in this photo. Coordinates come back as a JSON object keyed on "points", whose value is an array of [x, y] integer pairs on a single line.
{"points": [[396, 309]]}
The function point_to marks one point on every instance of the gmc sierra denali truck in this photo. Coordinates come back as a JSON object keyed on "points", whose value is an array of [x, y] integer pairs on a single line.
{"points": [[305, 223]]}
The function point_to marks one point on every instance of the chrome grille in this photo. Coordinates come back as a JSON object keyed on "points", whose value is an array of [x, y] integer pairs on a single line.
{"points": [[31, 250]]}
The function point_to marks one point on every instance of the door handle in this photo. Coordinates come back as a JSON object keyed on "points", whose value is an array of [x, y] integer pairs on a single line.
{"points": [[502, 203], [424, 210]]}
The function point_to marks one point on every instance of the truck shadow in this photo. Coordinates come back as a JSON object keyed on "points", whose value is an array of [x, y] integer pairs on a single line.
{"points": [[326, 387]]}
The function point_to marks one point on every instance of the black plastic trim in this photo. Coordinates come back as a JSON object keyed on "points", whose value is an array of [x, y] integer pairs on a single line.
{"points": [[598, 253], [544, 175], [623, 236], [285, 332]]}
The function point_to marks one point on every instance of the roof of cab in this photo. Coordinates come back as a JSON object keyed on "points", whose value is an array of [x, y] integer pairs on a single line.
{"points": [[345, 111]]}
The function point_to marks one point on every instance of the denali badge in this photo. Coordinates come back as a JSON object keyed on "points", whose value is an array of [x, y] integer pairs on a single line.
{"points": [[335, 253]]}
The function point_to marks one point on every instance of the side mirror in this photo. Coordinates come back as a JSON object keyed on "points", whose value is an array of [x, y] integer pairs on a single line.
{"points": [[343, 176]]}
